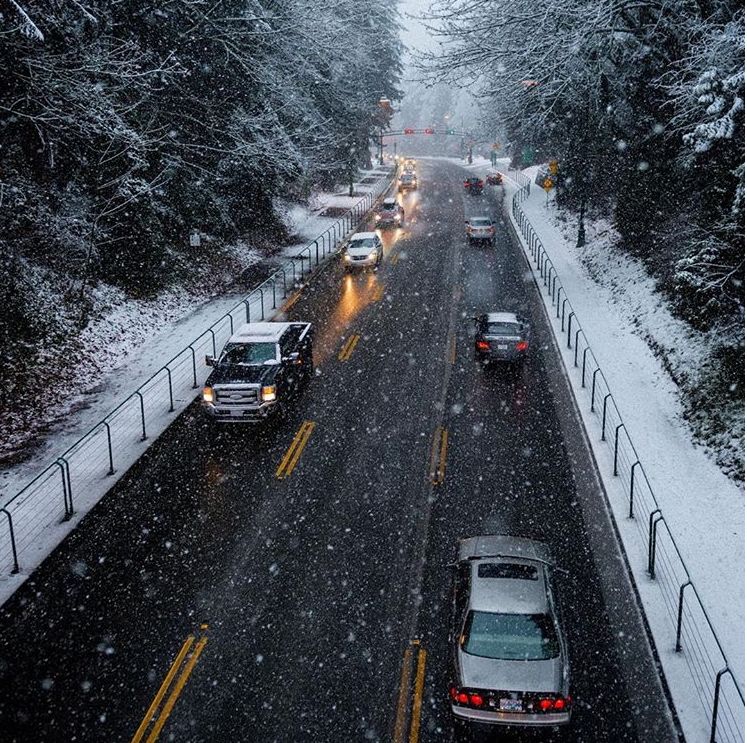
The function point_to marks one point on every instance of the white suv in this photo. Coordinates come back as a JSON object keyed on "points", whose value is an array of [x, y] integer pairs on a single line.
{"points": [[365, 250]]}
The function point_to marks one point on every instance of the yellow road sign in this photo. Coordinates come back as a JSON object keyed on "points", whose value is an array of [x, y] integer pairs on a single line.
{"points": [[553, 167], [548, 184]]}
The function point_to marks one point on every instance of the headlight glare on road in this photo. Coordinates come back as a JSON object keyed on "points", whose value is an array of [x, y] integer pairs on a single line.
{"points": [[207, 394], [269, 393]]}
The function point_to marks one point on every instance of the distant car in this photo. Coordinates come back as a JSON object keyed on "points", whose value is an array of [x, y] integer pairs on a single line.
{"points": [[509, 657], [480, 228], [409, 164], [408, 180], [494, 179], [473, 185], [390, 212], [501, 336], [364, 250]]}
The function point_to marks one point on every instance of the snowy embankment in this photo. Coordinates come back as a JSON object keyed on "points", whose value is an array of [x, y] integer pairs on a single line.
{"points": [[126, 346], [622, 316]]}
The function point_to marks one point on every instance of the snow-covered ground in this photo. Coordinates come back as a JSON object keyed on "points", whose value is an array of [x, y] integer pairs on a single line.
{"points": [[132, 341], [627, 323]]}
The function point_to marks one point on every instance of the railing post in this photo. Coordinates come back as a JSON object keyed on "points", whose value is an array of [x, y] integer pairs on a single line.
{"points": [[652, 522], [617, 438], [109, 444], [194, 367], [12, 541], [575, 348], [678, 641], [593, 387], [261, 301], [562, 319], [171, 389], [212, 334], [316, 248], [554, 278], [604, 414], [230, 320], [583, 367], [67, 488], [142, 412], [248, 312], [274, 300], [716, 692], [571, 315], [632, 487]]}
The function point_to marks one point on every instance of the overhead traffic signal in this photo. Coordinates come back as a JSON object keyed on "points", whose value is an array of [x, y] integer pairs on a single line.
{"points": [[429, 131], [409, 131]]}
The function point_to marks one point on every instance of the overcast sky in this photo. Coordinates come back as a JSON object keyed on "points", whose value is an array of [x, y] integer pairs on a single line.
{"points": [[415, 35]]}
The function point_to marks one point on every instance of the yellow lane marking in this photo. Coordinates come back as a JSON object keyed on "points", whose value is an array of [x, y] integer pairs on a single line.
{"points": [[438, 455], [348, 347], [417, 702], [186, 670], [404, 693], [291, 457], [451, 352], [378, 293]]}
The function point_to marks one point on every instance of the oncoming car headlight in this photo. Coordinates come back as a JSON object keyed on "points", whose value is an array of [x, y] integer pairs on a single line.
{"points": [[372, 255], [269, 393], [347, 258], [207, 394]]}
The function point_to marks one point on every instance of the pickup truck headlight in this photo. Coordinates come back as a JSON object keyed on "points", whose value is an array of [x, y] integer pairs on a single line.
{"points": [[372, 255], [207, 394], [269, 393], [347, 258]]}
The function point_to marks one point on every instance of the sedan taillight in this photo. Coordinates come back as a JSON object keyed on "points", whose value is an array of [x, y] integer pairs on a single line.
{"points": [[466, 698], [522, 345], [483, 346]]}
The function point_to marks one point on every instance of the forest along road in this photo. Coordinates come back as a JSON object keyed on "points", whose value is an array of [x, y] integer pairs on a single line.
{"points": [[298, 572]]}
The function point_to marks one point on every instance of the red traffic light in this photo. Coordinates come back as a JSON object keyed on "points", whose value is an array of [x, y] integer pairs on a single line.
{"points": [[409, 131], [429, 131]]}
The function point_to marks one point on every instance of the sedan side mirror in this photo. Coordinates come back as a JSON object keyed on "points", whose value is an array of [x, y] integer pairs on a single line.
{"points": [[210, 360]]}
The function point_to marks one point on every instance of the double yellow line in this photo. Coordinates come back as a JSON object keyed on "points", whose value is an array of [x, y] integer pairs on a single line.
{"points": [[403, 698], [291, 457], [159, 711], [438, 455], [348, 347], [378, 293]]}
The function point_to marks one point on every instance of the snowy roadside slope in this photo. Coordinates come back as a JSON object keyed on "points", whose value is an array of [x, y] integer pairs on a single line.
{"points": [[703, 508], [138, 362]]}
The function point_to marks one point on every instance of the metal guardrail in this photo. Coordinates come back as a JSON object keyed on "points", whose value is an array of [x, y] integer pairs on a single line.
{"points": [[693, 634], [50, 497]]}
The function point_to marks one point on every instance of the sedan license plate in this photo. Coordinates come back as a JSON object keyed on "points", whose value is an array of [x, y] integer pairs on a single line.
{"points": [[501, 347], [510, 705]]}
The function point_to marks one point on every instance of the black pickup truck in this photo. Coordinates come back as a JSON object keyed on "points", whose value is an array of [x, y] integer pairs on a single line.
{"points": [[262, 367]]}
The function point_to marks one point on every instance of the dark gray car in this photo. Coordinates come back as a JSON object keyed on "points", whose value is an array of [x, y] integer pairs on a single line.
{"points": [[501, 336], [509, 658]]}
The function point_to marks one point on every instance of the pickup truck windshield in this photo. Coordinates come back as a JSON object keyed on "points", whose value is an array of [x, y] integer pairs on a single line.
{"points": [[248, 354]]}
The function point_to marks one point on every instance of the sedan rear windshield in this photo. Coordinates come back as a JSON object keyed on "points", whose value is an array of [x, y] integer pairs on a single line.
{"points": [[503, 328], [366, 242], [480, 222], [248, 354], [510, 636]]}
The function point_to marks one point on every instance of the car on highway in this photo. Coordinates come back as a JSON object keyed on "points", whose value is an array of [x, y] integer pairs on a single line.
{"points": [[480, 229], [494, 179], [409, 164], [262, 368], [501, 336], [389, 212], [509, 659], [407, 181], [473, 185], [364, 250]]}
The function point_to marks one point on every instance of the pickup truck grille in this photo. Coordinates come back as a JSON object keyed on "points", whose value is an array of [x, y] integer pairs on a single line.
{"points": [[227, 396]]}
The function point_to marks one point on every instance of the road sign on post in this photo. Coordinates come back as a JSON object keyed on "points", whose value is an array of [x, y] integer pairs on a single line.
{"points": [[548, 184], [553, 167]]}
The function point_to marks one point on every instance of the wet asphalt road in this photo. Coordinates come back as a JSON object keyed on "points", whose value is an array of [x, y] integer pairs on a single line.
{"points": [[314, 586]]}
